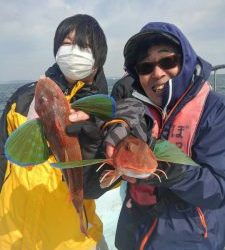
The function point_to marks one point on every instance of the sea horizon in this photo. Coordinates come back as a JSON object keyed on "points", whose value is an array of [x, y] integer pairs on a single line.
{"points": [[4, 82], [7, 88]]}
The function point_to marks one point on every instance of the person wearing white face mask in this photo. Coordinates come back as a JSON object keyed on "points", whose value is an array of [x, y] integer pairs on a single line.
{"points": [[34, 208], [75, 63]]}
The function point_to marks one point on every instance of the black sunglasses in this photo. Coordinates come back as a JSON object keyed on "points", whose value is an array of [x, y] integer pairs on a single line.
{"points": [[168, 62]]}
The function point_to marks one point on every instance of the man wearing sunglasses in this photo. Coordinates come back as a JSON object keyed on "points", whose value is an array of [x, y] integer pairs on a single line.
{"points": [[165, 95]]}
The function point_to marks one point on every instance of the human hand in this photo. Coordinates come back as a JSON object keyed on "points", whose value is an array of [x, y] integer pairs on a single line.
{"points": [[77, 115], [81, 124], [109, 150]]}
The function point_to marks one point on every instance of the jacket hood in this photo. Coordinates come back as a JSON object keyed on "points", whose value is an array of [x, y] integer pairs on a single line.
{"points": [[190, 60]]}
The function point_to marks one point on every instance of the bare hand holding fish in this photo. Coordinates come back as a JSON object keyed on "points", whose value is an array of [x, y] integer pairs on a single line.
{"points": [[77, 115]]}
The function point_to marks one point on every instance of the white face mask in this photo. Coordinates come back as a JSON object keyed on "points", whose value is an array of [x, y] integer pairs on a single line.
{"points": [[75, 63]]}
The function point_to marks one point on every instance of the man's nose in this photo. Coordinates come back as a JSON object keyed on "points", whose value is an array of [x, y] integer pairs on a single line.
{"points": [[157, 72]]}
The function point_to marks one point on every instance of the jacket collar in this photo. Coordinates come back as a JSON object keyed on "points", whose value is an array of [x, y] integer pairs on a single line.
{"points": [[99, 84]]}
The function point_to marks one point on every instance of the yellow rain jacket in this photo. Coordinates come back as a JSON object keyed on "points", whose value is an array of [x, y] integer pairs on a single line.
{"points": [[35, 209]]}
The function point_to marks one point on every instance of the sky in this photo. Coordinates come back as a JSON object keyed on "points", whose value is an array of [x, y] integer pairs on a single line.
{"points": [[27, 29]]}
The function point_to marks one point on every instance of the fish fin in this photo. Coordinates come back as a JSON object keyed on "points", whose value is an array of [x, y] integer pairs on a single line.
{"points": [[27, 145], [108, 177], [83, 228], [100, 105], [76, 164], [169, 152], [81, 212]]}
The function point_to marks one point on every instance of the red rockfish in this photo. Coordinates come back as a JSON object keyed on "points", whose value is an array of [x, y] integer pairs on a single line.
{"points": [[29, 144]]}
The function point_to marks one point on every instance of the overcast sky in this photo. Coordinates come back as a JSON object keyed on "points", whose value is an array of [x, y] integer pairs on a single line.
{"points": [[27, 29]]}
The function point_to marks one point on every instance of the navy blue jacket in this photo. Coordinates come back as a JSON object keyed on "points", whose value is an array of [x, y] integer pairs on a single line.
{"points": [[179, 226]]}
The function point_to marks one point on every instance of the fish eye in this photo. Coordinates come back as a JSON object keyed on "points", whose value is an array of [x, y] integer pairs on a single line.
{"points": [[130, 146], [127, 147], [43, 99]]}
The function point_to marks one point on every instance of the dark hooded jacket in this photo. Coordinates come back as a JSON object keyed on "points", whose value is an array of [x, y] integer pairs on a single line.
{"points": [[178, 224]]}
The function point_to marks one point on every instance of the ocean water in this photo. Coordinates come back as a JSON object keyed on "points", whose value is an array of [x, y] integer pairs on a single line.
{"points": [[7, 89]]}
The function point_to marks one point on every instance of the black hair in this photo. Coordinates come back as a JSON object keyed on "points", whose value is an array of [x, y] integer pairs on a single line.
{"points": [[136, 51], [88, 33]]}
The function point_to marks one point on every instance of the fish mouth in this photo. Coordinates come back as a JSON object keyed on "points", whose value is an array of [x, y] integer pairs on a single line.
{"points": [[133, 173]]}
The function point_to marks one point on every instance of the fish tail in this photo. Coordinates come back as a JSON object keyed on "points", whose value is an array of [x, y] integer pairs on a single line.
{"points": [[82, 216], [75, 183], [81, 213], [83, 225]]}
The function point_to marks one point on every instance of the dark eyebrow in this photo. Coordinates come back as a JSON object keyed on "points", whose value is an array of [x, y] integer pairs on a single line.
{"points": [[164, 50]]}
